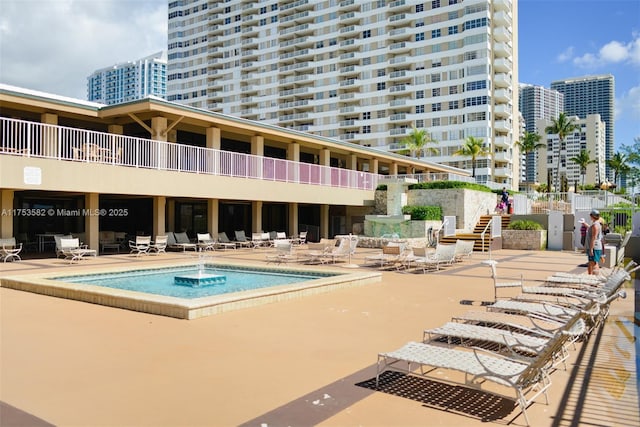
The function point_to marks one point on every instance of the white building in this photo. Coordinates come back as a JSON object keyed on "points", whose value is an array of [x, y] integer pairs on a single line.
{"points": [[591, 137], [129, 81], [361, 72]]}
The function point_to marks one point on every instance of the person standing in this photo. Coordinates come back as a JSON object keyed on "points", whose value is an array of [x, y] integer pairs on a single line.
{"points": [[593, 240], [505, 199], [583, 232]]}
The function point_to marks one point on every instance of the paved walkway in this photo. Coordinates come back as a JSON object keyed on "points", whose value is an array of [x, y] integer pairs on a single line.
{"points": [[301, 362]]}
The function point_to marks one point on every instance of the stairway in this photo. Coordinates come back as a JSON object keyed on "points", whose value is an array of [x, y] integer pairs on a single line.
{"points": [[476, 234]]}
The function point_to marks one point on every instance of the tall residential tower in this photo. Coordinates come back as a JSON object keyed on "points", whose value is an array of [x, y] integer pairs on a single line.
{"points": [[537, 102], [129, 81], [591, 95], [364, 72]]}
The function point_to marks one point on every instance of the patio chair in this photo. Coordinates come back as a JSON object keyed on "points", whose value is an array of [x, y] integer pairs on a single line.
{"points": [[206, 242], [140, 246], [528, 378], [345, 248], [443, 255], [56, 238], [283, 253], [301, 239], [159, 245], [315, 251], [73, 250], [260, 240], [223, 242], [501, 283], [464, 249], [9, 250], [182, 242], [241, 239], [389, 257]]}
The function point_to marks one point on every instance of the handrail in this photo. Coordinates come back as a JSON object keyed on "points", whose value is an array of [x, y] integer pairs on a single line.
{"points": [[484, 232], [32, 139]]}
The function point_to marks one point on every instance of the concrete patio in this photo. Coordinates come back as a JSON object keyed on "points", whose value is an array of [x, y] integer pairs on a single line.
{"points": [[302, 362]]}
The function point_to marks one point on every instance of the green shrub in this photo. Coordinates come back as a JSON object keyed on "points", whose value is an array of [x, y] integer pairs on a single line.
{"points": [[423, 213], [525, 224], [382, 187], [443, 185]]}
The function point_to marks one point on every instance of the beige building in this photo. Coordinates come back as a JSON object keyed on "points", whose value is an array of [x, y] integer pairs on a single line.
{"points": [[590, 136], [151, 166]]}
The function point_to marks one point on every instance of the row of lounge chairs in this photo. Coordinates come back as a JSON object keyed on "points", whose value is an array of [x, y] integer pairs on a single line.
{"points": [[516, 343], [324, 252], [401, 257]]}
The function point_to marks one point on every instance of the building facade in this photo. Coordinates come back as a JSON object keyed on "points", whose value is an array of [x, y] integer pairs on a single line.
{"points": [[591, 95], [537, 102], [590, 136], [129, 81], [362, 72]]}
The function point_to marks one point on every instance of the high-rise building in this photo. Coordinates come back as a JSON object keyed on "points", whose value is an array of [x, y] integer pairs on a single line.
{"points": [[591, 95], [537, 102], [361, 72], [129, 81], [590, 136]]}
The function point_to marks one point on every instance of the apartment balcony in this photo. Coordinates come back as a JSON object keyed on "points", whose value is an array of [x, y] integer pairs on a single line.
{"points": [[502, 156], [502, 95], [502, 17], [348, 5], [503, 125], [503, 65], [400, 116], [70, 147], [502, 80], [502, 110], [349, 18], [502, 5], [502, 50], [400, 47], [400, 34], [503, 173], [398, 102], [297, 5], [502, 34], [502, 142], [351, 30], [400, 89]]}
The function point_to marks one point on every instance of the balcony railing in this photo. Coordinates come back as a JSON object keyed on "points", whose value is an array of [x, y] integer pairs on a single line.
{"points": [[30, 139]]}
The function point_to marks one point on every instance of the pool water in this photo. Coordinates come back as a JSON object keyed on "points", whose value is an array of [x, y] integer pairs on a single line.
{"points": [[161, 281]]}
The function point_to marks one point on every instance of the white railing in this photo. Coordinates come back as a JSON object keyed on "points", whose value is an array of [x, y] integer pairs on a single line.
{"points": [[31, 139]]}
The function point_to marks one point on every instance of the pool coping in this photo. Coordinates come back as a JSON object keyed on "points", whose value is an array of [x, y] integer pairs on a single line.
{"points": [[42, 283]]}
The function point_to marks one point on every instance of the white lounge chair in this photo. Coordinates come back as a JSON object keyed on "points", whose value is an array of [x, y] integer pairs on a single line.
{"points": [[346, 248], [9, 250], [159, 245], [283, 253], [464, 249], [140, 246], [205, 242], [443, 255], [73, 251], [181, 241], [389, 257], [501, 283]]}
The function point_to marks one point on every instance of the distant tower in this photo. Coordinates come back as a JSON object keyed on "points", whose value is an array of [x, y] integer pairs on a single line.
{"points": [[129, 81], [537, 102], [591, 95]]}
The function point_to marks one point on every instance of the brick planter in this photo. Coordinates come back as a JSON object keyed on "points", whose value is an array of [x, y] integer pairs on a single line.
{"points": [[524, 239]]}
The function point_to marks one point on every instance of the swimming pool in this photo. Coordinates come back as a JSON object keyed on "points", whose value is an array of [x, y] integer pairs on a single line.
{"points": [[160, 281], [306, 281]]}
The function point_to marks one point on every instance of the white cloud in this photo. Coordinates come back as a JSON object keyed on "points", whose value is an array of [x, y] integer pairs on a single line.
{"points": [[566, 55], [628, 105], [612, 52], [53, 45]]}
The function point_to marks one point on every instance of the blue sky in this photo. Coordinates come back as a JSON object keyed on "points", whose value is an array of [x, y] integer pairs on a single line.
{"points": [[558, 39], [571, 38]]}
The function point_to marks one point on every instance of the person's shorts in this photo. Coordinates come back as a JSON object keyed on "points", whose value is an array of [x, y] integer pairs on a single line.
{"points": [[597, 254]]}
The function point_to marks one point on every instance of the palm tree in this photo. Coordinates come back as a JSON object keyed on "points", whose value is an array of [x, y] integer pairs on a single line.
{"points": [[417, 140], [618, 164], [583, 160], [474, 148], [530, 143], [562, 126]]}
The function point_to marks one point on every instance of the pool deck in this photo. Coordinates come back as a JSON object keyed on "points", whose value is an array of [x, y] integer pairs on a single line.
{"points": [[299, 362]]}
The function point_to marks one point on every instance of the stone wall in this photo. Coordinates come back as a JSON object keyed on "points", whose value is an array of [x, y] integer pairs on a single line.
{"points": [[524, 239], [404, 229], [466, 205]]}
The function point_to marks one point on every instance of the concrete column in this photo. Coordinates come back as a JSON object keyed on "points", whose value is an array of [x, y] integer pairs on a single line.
{"points": [[324, 221], [373, 166], [352, 162], [393, 169], [115, 129], [325, 160], [6, 214], [159, 205], [171, 215], [49, 135], [158, 128], [293, 219], [257, 149], [213, 138], [213, 216], [256, 215], [92, 222], [293, 154]]}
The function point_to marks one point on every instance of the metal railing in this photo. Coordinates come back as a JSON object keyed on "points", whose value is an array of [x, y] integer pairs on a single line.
{"points": [[31, 139]]}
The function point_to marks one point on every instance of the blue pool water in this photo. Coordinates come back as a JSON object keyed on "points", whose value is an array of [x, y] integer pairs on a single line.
{"points": [[161, 281]]}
